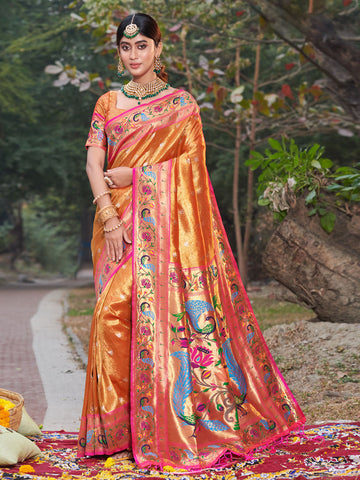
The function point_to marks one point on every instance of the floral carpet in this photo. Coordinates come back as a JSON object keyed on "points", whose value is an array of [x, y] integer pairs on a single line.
{"points": [[326, 451]]}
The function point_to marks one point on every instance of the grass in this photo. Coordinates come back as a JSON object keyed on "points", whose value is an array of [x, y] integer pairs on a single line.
{"points": [[270, 311]]}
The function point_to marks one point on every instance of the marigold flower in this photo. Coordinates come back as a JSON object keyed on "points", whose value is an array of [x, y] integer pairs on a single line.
{"points": [[110, 462], [26, 469], [169, 468]]}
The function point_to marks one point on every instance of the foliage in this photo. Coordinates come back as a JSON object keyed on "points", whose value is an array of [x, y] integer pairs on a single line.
{"points": [[43, 129], [52, 233], [200, 42], [289, 171], [5, 236], [347, 183]]}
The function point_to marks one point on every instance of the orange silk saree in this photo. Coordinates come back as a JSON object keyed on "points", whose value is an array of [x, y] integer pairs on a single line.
{"points": [[178, 369]]}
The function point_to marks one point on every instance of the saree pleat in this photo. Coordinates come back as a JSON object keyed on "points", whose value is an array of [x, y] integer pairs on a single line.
{"points": [[202, 380]]}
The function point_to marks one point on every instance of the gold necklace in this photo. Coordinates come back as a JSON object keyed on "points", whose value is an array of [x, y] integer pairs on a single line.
{"points": [[141, 91]]}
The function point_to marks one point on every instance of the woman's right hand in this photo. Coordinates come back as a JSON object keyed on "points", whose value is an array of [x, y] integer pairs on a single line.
{"points": [[118, 177], [114, 240]]}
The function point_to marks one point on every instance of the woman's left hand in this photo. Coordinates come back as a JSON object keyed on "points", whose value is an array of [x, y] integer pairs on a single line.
{"points": [[119, 177]]}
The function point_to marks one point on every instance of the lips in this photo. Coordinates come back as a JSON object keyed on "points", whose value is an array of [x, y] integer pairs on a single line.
{"points": [[135, 65]]}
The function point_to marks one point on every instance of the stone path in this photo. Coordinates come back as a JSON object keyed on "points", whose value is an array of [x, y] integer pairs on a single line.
{"points": [[36, 358]]}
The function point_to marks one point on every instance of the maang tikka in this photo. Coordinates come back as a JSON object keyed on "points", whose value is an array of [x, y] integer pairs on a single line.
{"points": [[132, 29]]}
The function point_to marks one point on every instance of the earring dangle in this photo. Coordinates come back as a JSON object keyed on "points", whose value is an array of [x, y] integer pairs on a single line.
{"points": [[120, 69], [157, 65]]}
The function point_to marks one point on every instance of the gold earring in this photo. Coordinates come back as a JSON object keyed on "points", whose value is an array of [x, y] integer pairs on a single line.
{"points": [[157, 65], [120, 68]]}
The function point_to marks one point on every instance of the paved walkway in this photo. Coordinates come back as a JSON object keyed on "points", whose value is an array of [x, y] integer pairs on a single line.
{"points": [[36, 358]]}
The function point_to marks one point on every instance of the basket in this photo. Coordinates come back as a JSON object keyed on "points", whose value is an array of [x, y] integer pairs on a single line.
{"points": [[15, 413]]}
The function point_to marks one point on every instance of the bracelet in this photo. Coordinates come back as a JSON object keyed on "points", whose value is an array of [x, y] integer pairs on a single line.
{"points": [[101, 195], [107, 212], [108, 230]]}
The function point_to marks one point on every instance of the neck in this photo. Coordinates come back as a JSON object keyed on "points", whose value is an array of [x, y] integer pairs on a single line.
{"points": [[145, 79]]}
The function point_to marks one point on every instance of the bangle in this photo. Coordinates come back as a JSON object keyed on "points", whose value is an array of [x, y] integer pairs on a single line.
{"points": [[108, 230], [101, 195], [107, 212]]}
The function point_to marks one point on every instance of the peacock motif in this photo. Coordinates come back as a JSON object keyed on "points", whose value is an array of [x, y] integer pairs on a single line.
{"points": [[148, 172], [146, 217], [183, 388], [195, 309], [144, 260], [235, 373]]}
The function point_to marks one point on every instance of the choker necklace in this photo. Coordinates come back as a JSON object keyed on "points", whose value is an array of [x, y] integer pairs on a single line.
{"points": [[141, 91]]}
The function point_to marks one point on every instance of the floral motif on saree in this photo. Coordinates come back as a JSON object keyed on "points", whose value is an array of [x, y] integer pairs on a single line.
{"points": [[203, 382]]}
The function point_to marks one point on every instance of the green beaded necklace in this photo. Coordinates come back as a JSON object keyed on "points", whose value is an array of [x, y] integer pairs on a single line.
{"points": [[141, 91]]}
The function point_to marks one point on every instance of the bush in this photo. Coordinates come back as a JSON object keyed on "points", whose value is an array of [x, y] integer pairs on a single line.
{"points": [[52, 234], [289, 171], [5, 236]]}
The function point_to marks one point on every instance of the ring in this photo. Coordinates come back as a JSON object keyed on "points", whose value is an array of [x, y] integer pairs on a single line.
{"points": [[108, 181]]}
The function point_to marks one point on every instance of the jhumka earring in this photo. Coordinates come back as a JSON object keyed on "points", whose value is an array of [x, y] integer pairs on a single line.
{"points": [[121, 69], [132, 29], [157, 65]]}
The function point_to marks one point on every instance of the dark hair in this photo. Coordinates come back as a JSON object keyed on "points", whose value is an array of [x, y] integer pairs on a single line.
{"points": [[148, 27]]}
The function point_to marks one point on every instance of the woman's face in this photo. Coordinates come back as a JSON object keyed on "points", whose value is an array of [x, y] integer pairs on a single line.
{"points": [[138, 54]]}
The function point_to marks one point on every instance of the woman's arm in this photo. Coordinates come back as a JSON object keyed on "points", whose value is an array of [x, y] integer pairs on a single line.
{"points": [[95, 172]]}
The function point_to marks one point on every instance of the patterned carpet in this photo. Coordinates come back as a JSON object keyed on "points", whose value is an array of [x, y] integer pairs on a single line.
{"points": [[326, 451]]}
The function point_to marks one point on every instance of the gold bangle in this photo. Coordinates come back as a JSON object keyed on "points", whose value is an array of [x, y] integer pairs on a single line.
{"points": [[107, 212], [109, 230], [101, 195]]}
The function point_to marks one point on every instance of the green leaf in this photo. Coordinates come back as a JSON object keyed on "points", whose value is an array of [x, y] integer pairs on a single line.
{"points": [[333, 187], [280, 215], [326, 163], [313, 150], [312, 212], [327, 221], [263, 202], [316, 164], [275, 144], [311, 196], [347, 177]]}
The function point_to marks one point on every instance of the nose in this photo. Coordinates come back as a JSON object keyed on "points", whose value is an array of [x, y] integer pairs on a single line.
{"points": [[133, 54]]}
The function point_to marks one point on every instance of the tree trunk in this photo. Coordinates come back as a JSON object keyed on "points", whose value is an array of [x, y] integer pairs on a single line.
{"points": [[17, 234], [321, 269], [250, 180], [235, 189]]}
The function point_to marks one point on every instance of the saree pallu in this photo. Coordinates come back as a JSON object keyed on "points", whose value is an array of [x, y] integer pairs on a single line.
{"points": [[199, 381]]}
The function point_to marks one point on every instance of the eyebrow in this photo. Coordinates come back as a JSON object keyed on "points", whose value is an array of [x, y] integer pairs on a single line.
{"points": [[124, 42]]}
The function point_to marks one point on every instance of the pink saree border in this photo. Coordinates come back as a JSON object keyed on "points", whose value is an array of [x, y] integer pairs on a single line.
{"points": [[247, 301], [158, 255], [141, 107], [96, 422], [97, 114], [156, 129], [134, 316]]}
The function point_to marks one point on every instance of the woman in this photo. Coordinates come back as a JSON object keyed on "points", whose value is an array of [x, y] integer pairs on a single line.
{"points": [[179, 373]]}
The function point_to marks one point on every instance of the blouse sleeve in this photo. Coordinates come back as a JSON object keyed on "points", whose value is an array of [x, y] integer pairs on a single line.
{"points": [[97, 135]]}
